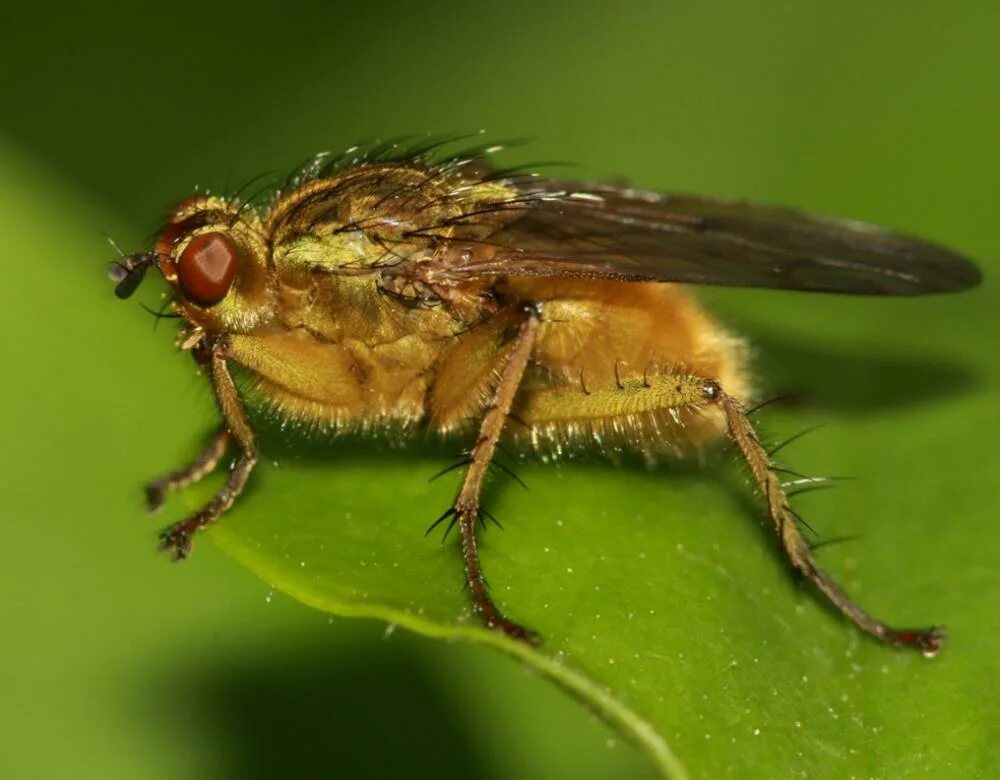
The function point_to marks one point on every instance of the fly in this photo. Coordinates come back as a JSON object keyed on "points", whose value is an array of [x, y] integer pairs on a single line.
{"points": [[442, 295]]}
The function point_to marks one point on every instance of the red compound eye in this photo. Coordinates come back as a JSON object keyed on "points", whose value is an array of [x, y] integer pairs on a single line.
{"points": [[207, 267]]}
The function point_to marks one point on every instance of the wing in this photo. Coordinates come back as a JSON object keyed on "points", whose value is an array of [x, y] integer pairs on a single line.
{"points": [[603, 232]]}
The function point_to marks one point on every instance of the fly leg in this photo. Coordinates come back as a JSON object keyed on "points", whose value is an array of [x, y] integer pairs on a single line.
{"points": [[177, 537], [195, 471], [466, 510], [928, 641]]}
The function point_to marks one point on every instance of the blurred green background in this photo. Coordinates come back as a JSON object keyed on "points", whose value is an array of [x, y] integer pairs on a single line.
{"points": [[117, 664]]}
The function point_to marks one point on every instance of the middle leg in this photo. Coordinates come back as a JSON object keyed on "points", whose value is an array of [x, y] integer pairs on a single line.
{"points": [[466, 509]]}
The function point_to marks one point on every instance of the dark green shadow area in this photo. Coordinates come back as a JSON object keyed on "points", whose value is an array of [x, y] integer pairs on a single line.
{"points": [[823, 378], [325, 706]]}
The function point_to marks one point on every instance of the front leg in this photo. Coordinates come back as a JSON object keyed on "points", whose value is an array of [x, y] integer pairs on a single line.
{"points": [[466, 509], [178, 536], [195, 471]]}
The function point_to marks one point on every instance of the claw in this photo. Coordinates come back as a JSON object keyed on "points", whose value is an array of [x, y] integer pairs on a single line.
{"points": [[927, 641], [177, 540], [514, 630], [155, 496]]}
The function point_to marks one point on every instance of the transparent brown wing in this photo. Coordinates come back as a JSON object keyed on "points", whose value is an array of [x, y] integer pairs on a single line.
{"points": [[588, 231]]}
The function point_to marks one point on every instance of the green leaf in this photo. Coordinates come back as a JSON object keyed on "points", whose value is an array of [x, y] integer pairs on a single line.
{"points": [[663, 600]]}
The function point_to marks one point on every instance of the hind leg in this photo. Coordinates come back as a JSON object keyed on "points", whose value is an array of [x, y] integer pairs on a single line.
{"points": [[626, 407], [928, 641]]}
